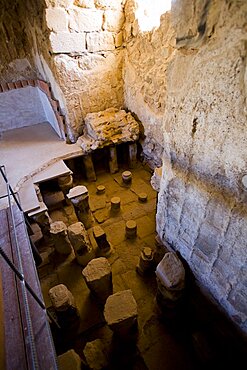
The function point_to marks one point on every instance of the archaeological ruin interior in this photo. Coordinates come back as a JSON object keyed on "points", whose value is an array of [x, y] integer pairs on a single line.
{"points": [[123, 185]]}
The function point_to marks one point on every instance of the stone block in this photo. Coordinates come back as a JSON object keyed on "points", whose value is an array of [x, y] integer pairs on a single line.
{"points": [[170, 275], [100, 41], [98, 277], [61, 298], [95, 356], [65, 42], [85, 20], [69, 360], [113, 20], [120, 311], [56, 19]]}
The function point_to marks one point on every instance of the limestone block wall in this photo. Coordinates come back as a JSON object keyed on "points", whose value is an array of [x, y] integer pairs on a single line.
{"points": [[191, 97], [86, 47]]}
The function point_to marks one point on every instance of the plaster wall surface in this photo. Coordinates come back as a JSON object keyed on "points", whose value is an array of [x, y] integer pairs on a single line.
{"points": [[186, 80], [21, 107]]}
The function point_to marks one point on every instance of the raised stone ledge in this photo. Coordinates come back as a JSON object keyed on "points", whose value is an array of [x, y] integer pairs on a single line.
{"points": [[108, 127]]}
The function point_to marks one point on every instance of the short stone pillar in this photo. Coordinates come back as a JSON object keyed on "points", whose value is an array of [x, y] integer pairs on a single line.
{"points": [[98, 277], [146, 261], [120, 312], [132, 155], [101, 240], [95, 356], [170, 276], [100, 189], [127, 177], [60, 238], [115, 204], [80, 242], [130, 229], [113, 164], [64, 305], [65, 183], [79, 198], [142, 197], [89, 167]]}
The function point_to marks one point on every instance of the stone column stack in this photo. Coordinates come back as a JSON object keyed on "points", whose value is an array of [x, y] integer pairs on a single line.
{"points": [[80, 242], [60, 238], [79, 198]]}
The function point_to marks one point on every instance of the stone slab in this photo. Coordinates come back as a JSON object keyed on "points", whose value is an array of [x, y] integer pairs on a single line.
{"points": [[51, 172]]}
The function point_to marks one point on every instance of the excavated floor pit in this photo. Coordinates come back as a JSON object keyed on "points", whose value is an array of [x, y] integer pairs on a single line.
{"points": [[188, 342]]}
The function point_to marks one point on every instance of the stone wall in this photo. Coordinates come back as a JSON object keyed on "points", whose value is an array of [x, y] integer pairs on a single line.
{"points": [[147, 58], [75, 45], [86, 46], [187, 82]]}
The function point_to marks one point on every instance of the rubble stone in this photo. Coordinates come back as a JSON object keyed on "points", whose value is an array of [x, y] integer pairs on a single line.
{"points": [[108, 127], [98, 277]]}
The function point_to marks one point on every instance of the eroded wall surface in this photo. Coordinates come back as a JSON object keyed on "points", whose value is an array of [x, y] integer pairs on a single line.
{"points": [[189, 89], [86, 46]]}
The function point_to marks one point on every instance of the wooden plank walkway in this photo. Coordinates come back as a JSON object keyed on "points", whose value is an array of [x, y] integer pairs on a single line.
{"points": [[17, 346]]}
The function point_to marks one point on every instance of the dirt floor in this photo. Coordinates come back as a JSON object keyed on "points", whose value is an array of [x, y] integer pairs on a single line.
{"points": [[158, 344]]}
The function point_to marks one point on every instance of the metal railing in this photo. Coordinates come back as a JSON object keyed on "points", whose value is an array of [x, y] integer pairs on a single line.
{"points": [[19, 273]]}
